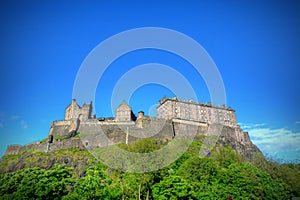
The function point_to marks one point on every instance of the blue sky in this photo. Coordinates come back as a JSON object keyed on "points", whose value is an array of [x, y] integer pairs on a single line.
{"points": [[255, 45]]}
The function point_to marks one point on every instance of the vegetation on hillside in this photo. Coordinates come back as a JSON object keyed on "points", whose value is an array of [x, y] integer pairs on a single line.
{"points": [[223, 175]]}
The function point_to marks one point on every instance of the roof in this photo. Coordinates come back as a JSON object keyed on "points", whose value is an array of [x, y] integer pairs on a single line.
{"points": [[124, 106]]}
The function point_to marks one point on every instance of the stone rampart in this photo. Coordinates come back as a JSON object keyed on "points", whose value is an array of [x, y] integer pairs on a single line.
{"points": [[61, 123]]}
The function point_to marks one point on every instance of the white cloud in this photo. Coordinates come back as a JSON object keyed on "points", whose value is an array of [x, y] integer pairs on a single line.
{"points": [[10, 121], [297, 122], [23, 124], [283, 144], [247, 126]]}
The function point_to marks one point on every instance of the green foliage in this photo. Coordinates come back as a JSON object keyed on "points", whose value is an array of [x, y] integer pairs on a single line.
{"points": [[60, 137], [44, 140], [95, 185], [192, 151], [172, 187], [289, 173], [247, 181], [79, 135], [224, 175], [7, 161], [225, 156], [35, 183], [142, 146], [135, 185], [198, 170]]}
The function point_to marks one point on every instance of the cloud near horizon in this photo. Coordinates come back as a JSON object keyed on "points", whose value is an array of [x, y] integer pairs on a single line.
{"points": [[280, 144]]}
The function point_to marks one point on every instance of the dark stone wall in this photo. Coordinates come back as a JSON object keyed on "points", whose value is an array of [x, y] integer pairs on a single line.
{"points": [[60, 130], [95, 135]]}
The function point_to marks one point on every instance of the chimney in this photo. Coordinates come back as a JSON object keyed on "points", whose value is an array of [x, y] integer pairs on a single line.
{"points": [[140, 114]]}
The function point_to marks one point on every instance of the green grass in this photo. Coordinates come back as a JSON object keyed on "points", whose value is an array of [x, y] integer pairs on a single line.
{"points": [[44, 140], [79, 135], [59, 137]]}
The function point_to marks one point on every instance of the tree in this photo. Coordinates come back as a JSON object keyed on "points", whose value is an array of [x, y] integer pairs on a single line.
{"points": [[36, 183], [225, 156], [95, 185], [172, 187]]}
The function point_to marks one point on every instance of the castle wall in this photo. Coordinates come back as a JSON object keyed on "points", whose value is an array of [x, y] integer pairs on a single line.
{"points": [[107, 133], [103, 133], [59, 130], [61, 123], [64, 127]]}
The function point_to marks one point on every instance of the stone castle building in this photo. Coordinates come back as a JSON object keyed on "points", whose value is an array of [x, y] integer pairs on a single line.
{"points": [[174, 117], [170, 108], [74, 111], [124, 113]]}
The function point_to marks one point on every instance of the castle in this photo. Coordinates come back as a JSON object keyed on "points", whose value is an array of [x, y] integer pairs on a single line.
{"points": [[126, 127], [77, 117]]}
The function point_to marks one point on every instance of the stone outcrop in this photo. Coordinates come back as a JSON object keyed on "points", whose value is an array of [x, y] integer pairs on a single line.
{"points": [[14, 149]]}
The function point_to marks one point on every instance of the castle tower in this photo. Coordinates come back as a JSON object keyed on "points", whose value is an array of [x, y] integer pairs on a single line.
{"points": [[86, 111], [124, 113], [142, 120], [74, 111]]}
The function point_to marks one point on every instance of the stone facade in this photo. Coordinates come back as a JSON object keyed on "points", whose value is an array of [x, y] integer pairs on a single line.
{"points": [[188, 110], [124, 113]]}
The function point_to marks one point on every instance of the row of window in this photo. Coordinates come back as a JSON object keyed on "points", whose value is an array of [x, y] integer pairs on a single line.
{"points": [[192, 112]]}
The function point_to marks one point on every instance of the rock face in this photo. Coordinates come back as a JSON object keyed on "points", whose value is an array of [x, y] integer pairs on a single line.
{"points": [[45, 146], [14, 149], [242, 145], [77, 159]]}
